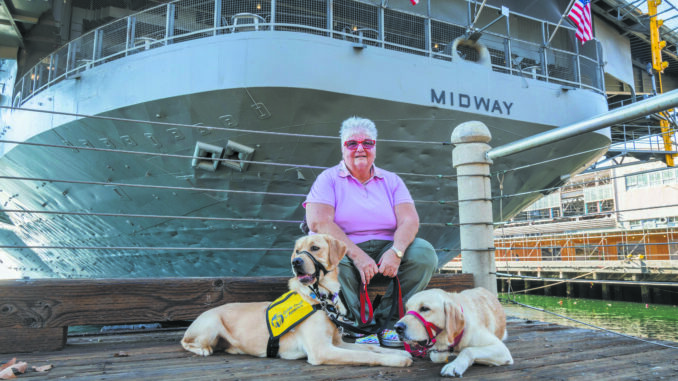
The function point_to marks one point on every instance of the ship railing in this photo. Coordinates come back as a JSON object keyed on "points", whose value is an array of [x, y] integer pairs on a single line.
{"points": [[516, 43]]}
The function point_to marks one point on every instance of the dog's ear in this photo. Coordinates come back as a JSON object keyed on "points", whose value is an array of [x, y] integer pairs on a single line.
{"points": [[454, 319], [337, 250]]}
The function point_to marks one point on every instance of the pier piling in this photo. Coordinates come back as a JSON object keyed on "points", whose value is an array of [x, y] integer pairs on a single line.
{"points": [[475, 202]]}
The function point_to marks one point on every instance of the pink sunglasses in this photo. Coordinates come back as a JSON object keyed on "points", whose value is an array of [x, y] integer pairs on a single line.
{"points": [[353, 144]]}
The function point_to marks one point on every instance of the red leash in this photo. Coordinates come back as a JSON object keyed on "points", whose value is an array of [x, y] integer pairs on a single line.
{"points": [[365, 301]]}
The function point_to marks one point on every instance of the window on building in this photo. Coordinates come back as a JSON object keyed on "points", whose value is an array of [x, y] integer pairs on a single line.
{"points": [[573, 206], [673, 251], [655, 178], [636, 224], [607, 206], [632, 248], [550, 253], [592, 207], [667, 176]]}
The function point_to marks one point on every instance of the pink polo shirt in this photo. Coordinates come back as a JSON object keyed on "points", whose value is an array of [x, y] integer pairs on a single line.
{"points": [[363, 211]]}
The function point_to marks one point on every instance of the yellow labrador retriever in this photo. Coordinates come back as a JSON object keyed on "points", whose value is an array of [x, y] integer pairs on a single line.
{"points": [[241, 328], [470, 324]]}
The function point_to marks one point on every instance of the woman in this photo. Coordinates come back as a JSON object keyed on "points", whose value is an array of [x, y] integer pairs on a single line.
{"points": [[372, 212]]}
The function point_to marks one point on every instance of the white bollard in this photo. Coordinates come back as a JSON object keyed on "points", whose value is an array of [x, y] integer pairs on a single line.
{"points": [[475, 202]]}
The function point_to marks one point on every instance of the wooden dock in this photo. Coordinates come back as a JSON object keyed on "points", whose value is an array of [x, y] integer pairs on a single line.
{"points": [[541, 351], [35, 316]]}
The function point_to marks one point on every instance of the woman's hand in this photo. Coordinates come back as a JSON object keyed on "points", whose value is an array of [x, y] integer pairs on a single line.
{"points": [[389, 264], [366, 266]]}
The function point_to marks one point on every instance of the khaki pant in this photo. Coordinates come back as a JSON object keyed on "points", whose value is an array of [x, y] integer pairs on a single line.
{"points": [[415, 271]]}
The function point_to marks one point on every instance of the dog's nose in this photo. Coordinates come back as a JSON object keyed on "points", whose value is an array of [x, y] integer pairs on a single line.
{"points": [[399, 328], [297, 262]]}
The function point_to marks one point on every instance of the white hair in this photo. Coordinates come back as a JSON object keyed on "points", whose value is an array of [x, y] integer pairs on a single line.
{"points": [[356, 124]]}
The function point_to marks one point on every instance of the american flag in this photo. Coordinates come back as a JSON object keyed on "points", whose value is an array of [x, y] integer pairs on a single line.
{"points": [[580, 14], [414, 2]]}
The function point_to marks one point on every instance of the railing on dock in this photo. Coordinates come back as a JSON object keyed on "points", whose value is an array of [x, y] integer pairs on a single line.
{"points": [[35, 314], [516, 43]]}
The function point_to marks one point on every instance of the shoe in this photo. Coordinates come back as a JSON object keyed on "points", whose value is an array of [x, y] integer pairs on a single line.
{"points": [[371, 339], [389, 338]]}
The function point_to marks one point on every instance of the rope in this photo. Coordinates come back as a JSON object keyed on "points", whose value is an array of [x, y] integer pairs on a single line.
{"points": [[565, 280], [571, 319], [163, 187], [167, 187], [143, 248], [659, 134], [178, 217], [609, 212], [149, 216], [589, 246], [170, 124], [654, 285], [584, 182], [156, 248], [157, 154], [199, 126], [554, 159], [587, 324], [191, 157]]}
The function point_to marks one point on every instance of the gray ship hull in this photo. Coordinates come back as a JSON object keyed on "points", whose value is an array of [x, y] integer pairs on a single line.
{"points": [[128, 201]]}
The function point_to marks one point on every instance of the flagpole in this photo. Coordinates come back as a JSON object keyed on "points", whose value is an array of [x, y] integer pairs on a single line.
{"points": [[478, 13], [560, 22]]}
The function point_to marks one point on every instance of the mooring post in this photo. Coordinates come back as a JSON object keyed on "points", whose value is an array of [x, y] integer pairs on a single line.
{"points": [[469, 157]]}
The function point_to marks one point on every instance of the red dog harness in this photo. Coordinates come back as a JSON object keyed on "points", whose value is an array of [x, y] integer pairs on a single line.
{"points": [[421, 350]]}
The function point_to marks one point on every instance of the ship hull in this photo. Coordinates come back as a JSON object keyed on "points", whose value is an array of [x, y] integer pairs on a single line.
{"points": [[129, 201]]}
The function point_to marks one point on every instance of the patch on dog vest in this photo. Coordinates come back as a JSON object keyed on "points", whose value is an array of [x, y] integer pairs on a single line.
{"points": [[286, 312]]}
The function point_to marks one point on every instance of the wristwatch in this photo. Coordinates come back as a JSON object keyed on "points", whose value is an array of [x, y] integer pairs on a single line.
{"points": [[399, 253]]}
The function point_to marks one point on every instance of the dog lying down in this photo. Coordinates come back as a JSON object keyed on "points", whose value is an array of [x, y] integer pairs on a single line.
{"points": [[470, 324], [241, 328]]}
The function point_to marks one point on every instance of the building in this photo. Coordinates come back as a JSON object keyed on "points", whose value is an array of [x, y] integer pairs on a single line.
{"points": [[602, 215]]}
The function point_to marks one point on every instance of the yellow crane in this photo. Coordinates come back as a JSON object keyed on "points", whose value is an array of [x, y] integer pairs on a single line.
{"points": [[658, 65]]}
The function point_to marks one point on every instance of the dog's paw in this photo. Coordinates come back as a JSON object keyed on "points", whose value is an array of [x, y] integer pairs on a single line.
{"points": [[398, 361], [453, 369], [407, 362], [439, 357], [200, 351], [405, 354]]}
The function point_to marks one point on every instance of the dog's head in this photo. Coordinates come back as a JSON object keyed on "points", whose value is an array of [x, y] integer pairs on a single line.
{"points": [[437, 308], [316, 255]]}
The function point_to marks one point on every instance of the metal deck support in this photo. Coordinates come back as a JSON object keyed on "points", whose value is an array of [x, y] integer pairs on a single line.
{"points": [[620, 115], [475, 202]]}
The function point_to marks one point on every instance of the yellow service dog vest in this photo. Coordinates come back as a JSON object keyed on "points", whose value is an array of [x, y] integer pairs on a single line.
{"points": [[282, 315]]}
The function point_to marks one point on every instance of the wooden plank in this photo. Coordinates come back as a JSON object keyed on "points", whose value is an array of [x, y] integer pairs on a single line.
{"points": [[59, 303], [159, 356], [32, 339], [63, 302]]}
